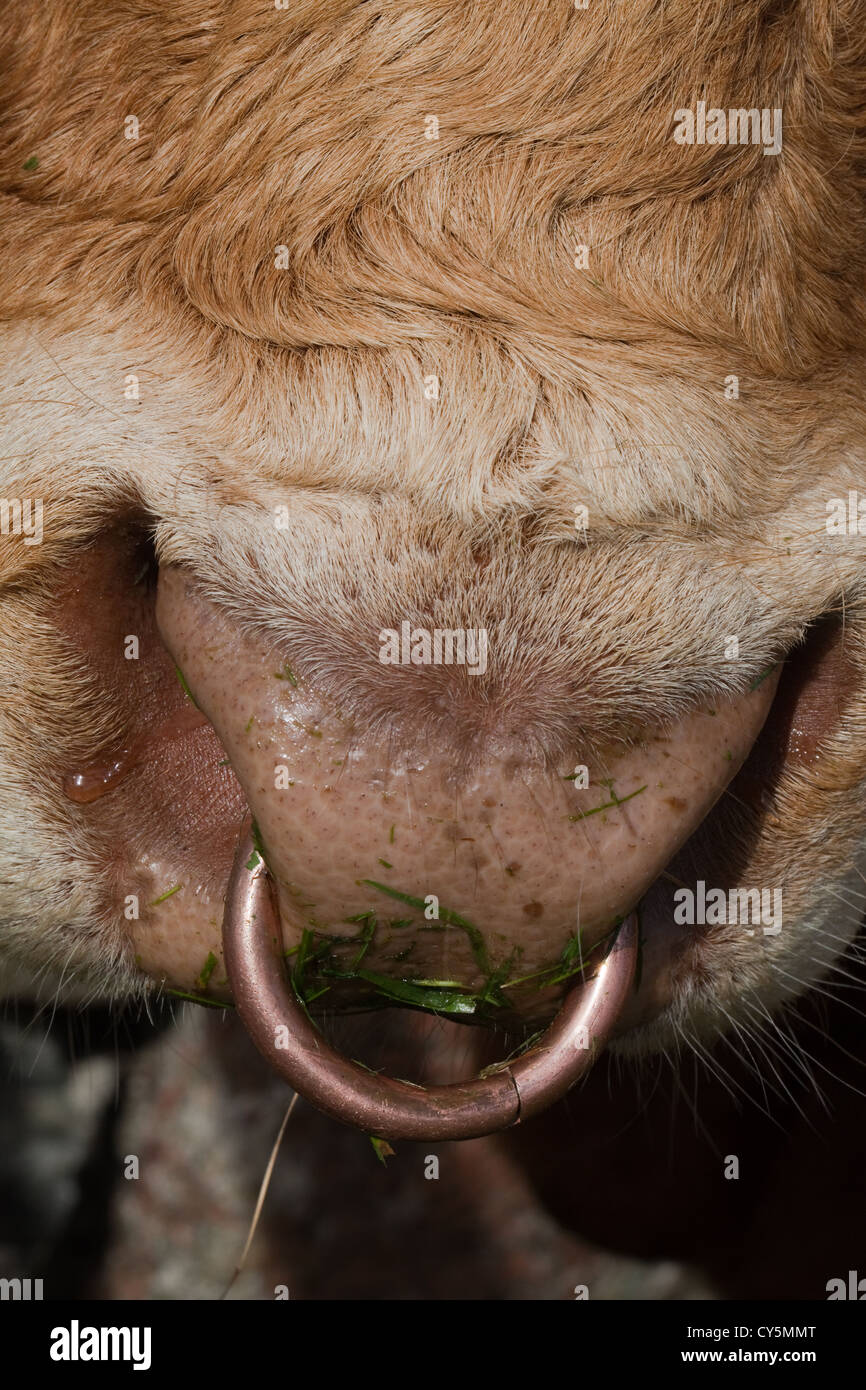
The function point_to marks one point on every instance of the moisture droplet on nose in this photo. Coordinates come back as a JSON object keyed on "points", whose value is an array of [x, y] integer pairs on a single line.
{"points": [[99, 778], [95, 781]]}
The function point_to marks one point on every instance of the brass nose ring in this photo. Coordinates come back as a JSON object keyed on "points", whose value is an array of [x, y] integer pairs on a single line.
{"points": [[381, 1105]]}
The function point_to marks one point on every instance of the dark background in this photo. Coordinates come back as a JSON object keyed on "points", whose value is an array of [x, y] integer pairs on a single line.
{"points": [[621, 1187]]}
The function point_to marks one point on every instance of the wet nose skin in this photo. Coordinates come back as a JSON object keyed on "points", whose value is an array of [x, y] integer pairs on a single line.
{"points": [[438, 874]]}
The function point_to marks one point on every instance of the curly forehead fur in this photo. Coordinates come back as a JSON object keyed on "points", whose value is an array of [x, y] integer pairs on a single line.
{"points": [[406, 257], [432, 276]]}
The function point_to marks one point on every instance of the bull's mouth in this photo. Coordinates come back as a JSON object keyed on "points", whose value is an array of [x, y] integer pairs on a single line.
{"points": [[482, 896]]}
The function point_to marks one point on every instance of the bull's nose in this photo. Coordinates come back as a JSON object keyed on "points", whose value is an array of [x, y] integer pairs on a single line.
{"points": [[406, 870]]}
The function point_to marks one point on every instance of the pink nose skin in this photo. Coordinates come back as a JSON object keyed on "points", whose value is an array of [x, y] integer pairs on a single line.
{"points": [[398, 868], [283, 1032]]}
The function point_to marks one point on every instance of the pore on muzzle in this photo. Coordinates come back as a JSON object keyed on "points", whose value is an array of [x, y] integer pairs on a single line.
{"points": [[282, 1030]]}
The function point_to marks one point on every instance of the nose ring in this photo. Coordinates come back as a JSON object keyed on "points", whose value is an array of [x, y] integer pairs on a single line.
{"points": [[380, 1105]]}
